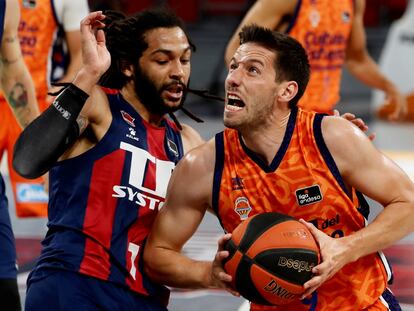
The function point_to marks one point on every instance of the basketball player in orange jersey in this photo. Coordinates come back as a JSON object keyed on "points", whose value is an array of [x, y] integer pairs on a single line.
{"points": [[44, 26], [276, 157], [332, 32], [17, 85]]}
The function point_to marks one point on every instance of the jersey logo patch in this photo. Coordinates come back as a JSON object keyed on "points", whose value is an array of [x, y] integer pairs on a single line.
{"points": [[132, 133], [128, 119], [308, 195], [346, 17], [30, 4], [242, 207], [172, 147]]}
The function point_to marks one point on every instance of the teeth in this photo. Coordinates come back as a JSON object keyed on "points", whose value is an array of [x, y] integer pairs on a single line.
{"points": [[233, 108], [234, 97]]}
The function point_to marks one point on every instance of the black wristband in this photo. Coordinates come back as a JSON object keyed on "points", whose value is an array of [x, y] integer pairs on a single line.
{"points": [[70, 102]]}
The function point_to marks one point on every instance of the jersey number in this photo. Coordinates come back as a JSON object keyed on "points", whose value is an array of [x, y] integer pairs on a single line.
{"points": [[133, 249]]}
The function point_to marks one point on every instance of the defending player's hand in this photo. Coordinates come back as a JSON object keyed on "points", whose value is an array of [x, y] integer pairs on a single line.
{"points": [[356, 121], [334, 255], [219, 277], [95, 56]]}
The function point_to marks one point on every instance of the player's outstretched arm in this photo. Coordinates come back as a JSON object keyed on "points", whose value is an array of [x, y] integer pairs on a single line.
{"points": [[366, 169], [55, 130], [188, 197]]}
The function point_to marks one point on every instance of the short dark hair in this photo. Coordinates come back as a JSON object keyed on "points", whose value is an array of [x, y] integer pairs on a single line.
{"points": [[291, 61], [126, 42]]}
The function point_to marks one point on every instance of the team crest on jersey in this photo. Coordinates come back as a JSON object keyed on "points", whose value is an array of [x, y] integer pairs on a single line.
{"points": [[172, 147], [314, 18], [127, 118], [30, 4], [309, 195], [346, 17], [242, 207]]}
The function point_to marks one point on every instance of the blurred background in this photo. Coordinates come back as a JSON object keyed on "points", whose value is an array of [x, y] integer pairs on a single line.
{"points": [[210, 24]]}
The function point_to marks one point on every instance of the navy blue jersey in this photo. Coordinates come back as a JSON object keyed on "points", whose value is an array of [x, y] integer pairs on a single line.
{"points": [[103, 202]]}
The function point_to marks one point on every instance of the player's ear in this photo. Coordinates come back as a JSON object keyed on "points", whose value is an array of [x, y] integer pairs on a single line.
{"points": [[127, 69], [288, 90]]}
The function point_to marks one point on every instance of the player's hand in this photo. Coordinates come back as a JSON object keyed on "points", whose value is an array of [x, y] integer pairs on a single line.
{"points": [[396, 100], [219, 277], [95, 56], [356, 121], [334, 255]]}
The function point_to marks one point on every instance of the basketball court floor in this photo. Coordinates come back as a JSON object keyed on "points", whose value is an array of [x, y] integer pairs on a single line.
{"points": [[396, 140]]}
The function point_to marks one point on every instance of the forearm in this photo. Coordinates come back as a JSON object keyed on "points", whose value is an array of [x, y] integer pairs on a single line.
{"points": [[391, 225], [19, 91], [45, 139], [368, 72], [174, 269]]}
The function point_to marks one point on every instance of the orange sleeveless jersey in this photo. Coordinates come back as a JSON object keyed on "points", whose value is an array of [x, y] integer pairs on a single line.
{"points": [[37, 31], [323, 28], [304, 182]]}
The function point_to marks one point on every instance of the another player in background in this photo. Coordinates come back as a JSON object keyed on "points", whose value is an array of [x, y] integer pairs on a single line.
{"points": [[17, 85], [270, 153], [333, 35], [50, 41], [116, 152]]}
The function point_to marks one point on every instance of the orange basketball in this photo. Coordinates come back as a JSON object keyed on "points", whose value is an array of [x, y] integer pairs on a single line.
{"points": [[271, 257]]}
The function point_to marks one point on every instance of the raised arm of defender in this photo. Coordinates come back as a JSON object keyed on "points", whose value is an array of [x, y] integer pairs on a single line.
{"points": [[50, 135]]}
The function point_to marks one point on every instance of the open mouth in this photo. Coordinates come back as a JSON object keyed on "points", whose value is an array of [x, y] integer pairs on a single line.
{"points": [[234, 102], [174, 91]]}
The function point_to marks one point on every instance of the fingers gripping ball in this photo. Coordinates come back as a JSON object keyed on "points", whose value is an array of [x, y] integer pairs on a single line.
{"points": [[271, 257]]}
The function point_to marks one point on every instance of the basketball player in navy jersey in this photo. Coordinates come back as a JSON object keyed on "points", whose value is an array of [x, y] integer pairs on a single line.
{"points": [[110, 156], [17, 85]]}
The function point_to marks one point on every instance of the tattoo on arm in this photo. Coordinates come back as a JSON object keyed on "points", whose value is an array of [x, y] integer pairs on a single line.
{"points": [[82, 123], [18, 97]]}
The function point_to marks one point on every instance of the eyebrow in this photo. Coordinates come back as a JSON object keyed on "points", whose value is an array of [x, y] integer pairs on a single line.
{"points": [[168, 52], [249, 60]]}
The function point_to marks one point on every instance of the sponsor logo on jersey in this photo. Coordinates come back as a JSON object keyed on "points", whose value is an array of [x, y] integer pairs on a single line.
{"points": [[137, 197], [314, 18], [132, 133], [172, 147], [299, 265], [31, 193], [136, 190], [242, 207], [30, 4], [237, 183], [127, 118], [309, 195], [323, 224], [346, 17]]}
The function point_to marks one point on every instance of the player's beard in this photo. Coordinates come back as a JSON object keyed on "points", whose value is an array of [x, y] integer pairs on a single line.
{"points": [[151, 96]]}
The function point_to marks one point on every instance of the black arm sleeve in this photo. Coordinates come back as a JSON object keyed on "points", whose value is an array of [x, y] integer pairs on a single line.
{"points": [[45, 139]]}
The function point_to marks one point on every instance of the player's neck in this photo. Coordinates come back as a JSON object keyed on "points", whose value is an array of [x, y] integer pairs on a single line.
{"points": [[266, 140]]}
